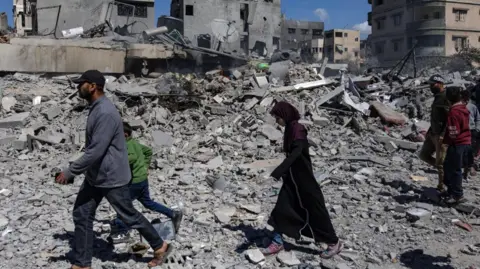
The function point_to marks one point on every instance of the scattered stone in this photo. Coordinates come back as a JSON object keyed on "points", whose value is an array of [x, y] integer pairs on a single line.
{"points": [[288, 258], [254, 255]]}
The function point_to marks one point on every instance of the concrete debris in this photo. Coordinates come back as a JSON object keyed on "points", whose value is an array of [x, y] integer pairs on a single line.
{"points": [[214, 145]]}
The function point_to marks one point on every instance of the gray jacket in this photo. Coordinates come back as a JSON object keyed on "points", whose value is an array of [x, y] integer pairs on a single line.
{"points": [[474, 117], [105, 161]]}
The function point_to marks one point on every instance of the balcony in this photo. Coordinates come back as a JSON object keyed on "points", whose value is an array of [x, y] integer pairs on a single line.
{"points": [[429, 51], [426, 25]]}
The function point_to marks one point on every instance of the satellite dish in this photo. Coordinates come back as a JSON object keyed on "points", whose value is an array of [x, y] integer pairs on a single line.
{"points": [[224, 31]]}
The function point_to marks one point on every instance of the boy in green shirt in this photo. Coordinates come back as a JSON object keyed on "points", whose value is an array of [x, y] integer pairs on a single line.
{"points": [[139, 158]]}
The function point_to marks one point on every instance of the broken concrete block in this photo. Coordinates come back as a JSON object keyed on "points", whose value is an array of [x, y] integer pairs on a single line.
{"points": [[416, 214], [4, 223], [215, 162], [253, 208], [403, 144], [16, 120], [261, 81], [137, 124], [320, 121], [217, 110], [254, 255], [251, 103], [7, 140], [8, 102], [271, 132], [288, 258], [162, 139], [224, 214], [387, 114], [237, 74], [53, 112]]}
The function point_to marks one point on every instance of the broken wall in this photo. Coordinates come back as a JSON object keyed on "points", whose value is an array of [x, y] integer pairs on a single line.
{"points": [[257, 23], [3, 21], [88, 13]]}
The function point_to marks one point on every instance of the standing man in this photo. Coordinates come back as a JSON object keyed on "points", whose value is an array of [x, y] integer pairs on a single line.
{"points": [[107, 174], [434, 138]]}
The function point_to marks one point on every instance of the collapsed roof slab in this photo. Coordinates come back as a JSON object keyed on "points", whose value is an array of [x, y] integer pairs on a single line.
{"points": [[33, 55], [153, 51]]}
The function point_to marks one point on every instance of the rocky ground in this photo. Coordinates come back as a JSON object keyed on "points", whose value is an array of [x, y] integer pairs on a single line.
{"points": [[214, 144]]}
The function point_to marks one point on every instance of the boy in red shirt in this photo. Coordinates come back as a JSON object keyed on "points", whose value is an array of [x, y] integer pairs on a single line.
{"points": [[458, 139]]}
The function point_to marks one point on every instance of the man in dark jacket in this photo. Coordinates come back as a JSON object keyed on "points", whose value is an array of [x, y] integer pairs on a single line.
{"points": [[434, 138], [107, 174]]}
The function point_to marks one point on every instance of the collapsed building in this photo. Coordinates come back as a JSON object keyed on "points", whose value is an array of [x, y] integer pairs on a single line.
{"points": [[248, 27]]}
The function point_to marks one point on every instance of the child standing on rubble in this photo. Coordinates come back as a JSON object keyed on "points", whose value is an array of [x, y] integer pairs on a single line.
{"points": [[458, 139], [475, 131], [139, 158]]}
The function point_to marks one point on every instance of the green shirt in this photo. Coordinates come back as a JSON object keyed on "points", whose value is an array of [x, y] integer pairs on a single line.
{"points": [[139, 158]]}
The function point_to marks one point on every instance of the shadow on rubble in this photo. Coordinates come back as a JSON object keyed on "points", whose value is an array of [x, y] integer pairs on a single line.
{"points": [[102, 250], [420, 193], [416, 259], [260, 239]]}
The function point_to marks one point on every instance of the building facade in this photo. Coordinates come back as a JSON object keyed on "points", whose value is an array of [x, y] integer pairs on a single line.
{"points": [[342, 45], [296, 33], [3, 21], [42, 17], [313, 48], [439, 28], [241, 26]]}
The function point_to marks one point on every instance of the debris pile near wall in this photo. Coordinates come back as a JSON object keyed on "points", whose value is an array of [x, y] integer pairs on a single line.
{"points": [[214, 143]]}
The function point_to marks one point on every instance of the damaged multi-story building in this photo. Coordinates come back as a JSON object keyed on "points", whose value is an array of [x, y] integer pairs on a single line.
{"points": [[295, 33], [342, 45], [51, 17], [241, 26], [438, 28]]}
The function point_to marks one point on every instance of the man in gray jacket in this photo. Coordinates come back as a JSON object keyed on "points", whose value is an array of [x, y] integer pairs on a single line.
{"points": [[107, 174]]}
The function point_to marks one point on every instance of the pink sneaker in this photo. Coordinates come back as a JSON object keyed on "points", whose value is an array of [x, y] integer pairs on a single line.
{"points": [[272, 249], [332, 250]]}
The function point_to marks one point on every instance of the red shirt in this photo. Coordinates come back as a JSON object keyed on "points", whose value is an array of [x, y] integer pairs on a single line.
{"points": [[458, 128]]}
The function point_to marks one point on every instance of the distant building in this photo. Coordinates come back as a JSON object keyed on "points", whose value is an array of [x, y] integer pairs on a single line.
{"points": [[342, 45], [232, 25], [3, 21], [45, 17], [313, 48], [440, 28], [295, 33]]}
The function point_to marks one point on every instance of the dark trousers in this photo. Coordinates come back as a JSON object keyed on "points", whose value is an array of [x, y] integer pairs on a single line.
{"points": [[453, 169], [88, 199], [139, 191], [471, 152]]}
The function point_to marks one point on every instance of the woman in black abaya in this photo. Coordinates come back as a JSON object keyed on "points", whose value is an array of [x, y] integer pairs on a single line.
{"points": [[300, 208]]}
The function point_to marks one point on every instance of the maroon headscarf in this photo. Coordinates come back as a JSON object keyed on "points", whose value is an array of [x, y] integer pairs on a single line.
{"points": [[293, 129]]}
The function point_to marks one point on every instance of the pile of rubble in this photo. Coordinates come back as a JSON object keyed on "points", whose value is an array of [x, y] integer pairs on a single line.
{"points": [[214, 144]]}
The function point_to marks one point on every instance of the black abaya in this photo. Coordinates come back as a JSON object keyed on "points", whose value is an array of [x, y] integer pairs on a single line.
{"points": [[300, 208]]}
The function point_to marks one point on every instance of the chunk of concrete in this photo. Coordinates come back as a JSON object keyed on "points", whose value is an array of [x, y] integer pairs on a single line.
{"points": [[254, 255], [320, 121], [8, 102], [261, 81], [162, 139], [53, 112], [4, 222], [416, 214], [288, 258], [16, 120], [387, 114], [271, 132], [403, 144]]}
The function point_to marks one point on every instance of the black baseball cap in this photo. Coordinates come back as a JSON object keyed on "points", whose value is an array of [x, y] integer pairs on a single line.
{"points": [[91, 76]]}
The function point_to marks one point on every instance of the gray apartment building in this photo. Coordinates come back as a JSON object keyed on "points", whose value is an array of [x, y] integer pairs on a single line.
{"points": [[439, 28], [43, 16], [295, 33], [240, 26]]}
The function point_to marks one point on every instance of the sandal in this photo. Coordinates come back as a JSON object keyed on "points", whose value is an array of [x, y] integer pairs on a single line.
{"points": [[272, 249], [332, 250], [160, 258]]}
